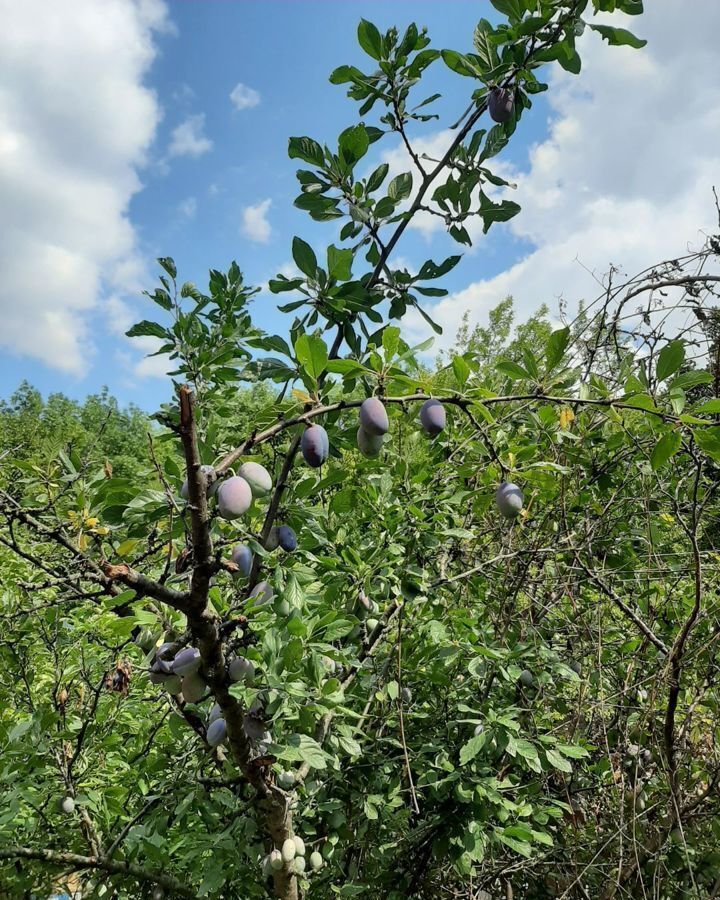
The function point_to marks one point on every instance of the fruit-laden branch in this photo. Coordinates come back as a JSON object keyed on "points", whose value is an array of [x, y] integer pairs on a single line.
{"points": [[272, 804], [463, 402], [76, 862]]}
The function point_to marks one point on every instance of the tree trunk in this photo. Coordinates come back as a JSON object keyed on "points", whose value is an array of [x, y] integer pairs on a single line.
{"points": [[278, 822]]}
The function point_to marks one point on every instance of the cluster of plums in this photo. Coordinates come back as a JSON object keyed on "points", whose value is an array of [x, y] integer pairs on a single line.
{"points": [[292, 855], [181, 674], [235, 494]]}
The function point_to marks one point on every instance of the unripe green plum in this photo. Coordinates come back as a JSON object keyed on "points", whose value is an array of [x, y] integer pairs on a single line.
{"points": [[257, 477], [406, 695], [217, 732], [234, 498], [509, 499], [365, 605], [262, 593], [374, 417], [299, 845], [186, 662], [527, 678], [288, 850], [276, 860], [299, 864], [479, 729], [500, 104], [193, 688], [371, 625], [272, 542], [241, 669], [369, 445], [315, 446], [281, 607], [67, 805], [242, 556], [287, 538], [316, 860], [285, 780], [432, 417]]}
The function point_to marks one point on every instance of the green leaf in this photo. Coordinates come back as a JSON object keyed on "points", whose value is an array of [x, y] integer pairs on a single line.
{"points": [[471, 749], [312, 354], [307, 149], [400, 187], [370, 39], [670, 358], [557, 761], [301, 748], [377, 177], [339, 263], [508, 367], [147, 329], [666, 447], [708, 441], [459, 63], [432, 270], [169, 265], [618, 37], [556, 346], [521, 847], [461, 370], [304, 257], [353, 144], [691, 379], [390, 341], [711, 407]]}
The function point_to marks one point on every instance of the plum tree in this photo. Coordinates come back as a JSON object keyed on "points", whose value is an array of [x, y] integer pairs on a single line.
{"points": [[257, 476], [234, 498], [509, 500], [501, 102], [287, 538], [373, 417], [433, 417], [614, 447], [315, 445]]}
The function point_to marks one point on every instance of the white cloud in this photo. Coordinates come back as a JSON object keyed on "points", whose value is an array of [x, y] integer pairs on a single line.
{"points": [[625, 174], [244, 97], [188, 138], [188, 208], [255, 225], [76, 121]]}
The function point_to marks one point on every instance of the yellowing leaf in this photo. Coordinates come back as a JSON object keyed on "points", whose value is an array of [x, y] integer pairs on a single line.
{"points": [[301, 396], [566, 417]]}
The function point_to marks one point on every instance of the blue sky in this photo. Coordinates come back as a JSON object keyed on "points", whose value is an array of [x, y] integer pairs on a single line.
{"points": [[133, 148]]}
